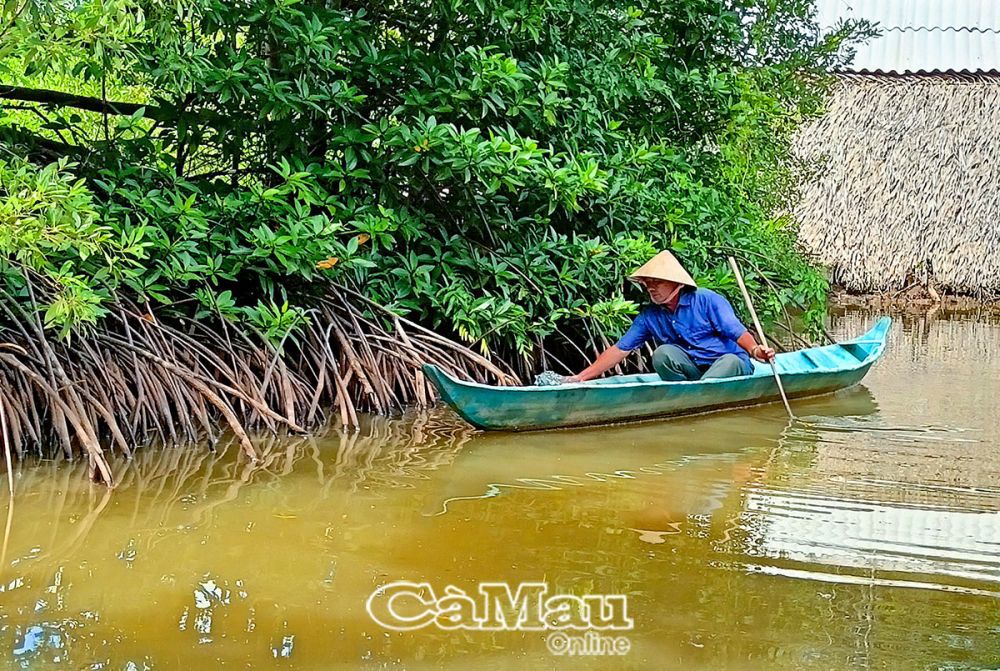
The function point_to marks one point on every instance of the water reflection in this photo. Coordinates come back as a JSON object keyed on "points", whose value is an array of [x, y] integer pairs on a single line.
{"points": [[719, 437], [836, 510], [178, 511], [864, 536]]}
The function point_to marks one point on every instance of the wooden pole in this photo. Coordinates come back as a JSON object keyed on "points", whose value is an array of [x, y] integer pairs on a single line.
{"points": [[760, 331]]}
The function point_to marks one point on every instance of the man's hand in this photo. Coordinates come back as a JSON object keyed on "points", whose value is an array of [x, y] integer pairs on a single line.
{"points": [[761, 353], [607, 360]]}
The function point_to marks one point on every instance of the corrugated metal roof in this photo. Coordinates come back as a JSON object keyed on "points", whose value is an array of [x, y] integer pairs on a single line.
{"points": [[912, 14], [922, 36], [916, 51]]}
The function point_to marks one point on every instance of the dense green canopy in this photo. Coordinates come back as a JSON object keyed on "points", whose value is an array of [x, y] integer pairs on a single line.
{"points": [[492, 168]]}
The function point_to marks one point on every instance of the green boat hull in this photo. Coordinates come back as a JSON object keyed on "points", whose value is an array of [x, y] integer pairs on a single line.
{"points": [[624, 398]]}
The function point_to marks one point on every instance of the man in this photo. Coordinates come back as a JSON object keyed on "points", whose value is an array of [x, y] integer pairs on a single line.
{"points": [[698, 334]]}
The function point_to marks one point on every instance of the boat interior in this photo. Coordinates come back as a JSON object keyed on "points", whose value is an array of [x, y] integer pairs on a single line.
{"points": [[829, 358]]}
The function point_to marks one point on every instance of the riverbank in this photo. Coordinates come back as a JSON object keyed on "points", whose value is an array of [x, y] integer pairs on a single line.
{"points": [[917, 299], [245, 246], [139, 378]]}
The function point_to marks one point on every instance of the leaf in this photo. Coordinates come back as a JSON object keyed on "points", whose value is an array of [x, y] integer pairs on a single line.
{"points": [[326, 264]]}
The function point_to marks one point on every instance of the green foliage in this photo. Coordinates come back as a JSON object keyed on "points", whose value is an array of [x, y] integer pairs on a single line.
{"points": [[491, 167], [49, 225], [276, 323]]}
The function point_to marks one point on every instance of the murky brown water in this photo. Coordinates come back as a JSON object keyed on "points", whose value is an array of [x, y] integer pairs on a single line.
{"points": [[866, 537]]}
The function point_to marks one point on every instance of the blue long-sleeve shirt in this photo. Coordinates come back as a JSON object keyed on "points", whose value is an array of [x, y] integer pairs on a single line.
{"points": [[704, 325]]}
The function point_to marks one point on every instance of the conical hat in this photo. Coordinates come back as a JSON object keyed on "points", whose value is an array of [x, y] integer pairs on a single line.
{"points": [[664, 266]]}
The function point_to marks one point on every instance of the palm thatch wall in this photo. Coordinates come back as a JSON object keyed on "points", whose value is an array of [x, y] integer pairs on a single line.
{"points": [[909, 187]]}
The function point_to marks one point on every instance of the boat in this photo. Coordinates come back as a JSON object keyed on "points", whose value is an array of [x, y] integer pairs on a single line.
{"points": [[625, 398]]}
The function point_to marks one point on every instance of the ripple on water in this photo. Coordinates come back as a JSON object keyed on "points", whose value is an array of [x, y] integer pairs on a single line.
{"points": [[873, 501]]}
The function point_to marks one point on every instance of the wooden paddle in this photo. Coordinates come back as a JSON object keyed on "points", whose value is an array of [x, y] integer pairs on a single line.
{"points": [[760, 331]]}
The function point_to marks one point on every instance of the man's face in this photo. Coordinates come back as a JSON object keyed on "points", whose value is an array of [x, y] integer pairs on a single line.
{"points": [[660, 291]]}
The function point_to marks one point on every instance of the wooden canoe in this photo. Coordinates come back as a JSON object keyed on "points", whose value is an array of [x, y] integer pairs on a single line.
{"points": [[623, 398]]}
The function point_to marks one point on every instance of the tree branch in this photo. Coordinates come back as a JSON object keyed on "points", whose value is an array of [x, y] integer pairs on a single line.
{"points": [[42, 147], [60, 99], [52, 98]]}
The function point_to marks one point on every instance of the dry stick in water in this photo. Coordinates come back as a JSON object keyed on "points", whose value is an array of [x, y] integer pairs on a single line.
{"points": [[320, 382], [352, 361], [343, 400], [101, 372], [250, 394], [348, 414], [6, 532], [6, 449], [379, 381], [193, 376], [275, 362], [760, 332], [57, 420], [228, 414], [377, 386], [167, 380], [19, 422], [78, 416]]}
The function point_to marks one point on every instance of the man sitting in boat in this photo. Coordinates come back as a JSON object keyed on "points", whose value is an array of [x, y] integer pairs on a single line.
{"points": [[696, 330]]}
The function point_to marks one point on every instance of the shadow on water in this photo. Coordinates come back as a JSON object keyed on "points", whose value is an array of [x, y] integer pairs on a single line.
{"points": [[797, 506]]}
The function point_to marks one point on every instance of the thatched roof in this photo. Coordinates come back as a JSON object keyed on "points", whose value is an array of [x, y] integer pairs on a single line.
{"points": [[909, 189]]}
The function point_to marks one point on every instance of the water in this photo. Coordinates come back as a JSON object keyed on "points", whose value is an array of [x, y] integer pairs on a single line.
{"points": [[867, 536]]}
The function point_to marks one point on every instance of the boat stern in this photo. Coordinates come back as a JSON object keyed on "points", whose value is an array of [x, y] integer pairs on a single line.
{"points": [[451, 392]]}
